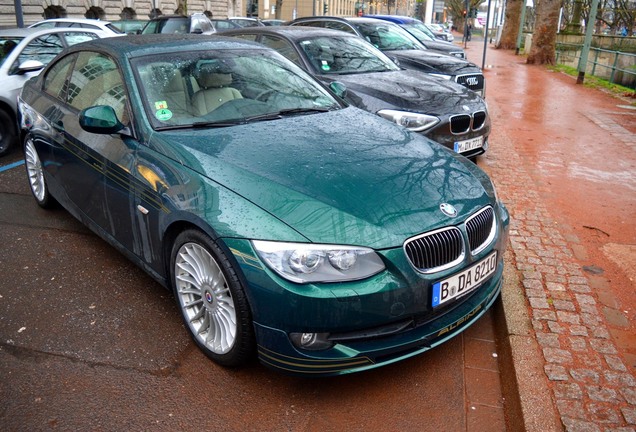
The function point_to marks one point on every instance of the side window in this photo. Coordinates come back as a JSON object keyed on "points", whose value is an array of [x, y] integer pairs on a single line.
{"points": [[42, 49], [73, 38], [56, 79], [247, 37], [282, 46], [95, 80], [339, 26]]}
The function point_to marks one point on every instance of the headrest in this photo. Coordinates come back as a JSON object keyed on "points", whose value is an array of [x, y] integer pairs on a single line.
{"points": [[215, 80]]}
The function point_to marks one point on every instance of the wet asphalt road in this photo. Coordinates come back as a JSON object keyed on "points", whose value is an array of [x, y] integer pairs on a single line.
{"points": [[89, 342]]}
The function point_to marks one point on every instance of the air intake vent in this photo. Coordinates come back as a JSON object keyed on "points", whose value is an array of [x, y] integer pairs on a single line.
{"points": [[481, 229], [435, 251]]}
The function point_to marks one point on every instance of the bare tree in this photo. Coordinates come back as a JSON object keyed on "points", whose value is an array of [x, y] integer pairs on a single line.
{"points": [[543, 49], [279, 9], [510, 29]]}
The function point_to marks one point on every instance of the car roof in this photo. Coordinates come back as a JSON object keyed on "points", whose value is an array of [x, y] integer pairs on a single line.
{"points": [[75, 20], [393, 18], [291, 32], [158, 43], [28, 31]]}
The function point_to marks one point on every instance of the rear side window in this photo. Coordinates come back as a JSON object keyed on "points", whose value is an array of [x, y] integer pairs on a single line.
{"points": [[283, 47], [56, 79], [95, 80], [339, 26]]}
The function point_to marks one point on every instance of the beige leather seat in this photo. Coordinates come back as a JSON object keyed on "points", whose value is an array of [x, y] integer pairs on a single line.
{"points": [[214, 92]]}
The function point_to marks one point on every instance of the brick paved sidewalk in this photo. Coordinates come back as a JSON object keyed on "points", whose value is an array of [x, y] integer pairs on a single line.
{"points": [[590, 386]]}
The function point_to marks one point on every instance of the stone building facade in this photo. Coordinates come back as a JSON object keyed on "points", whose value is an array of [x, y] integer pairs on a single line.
{"points": [[36, 10]]}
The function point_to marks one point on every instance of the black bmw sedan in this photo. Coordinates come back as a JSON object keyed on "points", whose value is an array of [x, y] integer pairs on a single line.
{"points": [[438, 108], [403, 47]]}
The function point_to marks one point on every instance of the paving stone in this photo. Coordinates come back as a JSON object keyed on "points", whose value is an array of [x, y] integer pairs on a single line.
{"points": [[602, 394], [585, 375], [578, 330], [630, 415], [556, 372], [555, 327], [603, 346], [604, 414], [568, 317], [585, 299], [629, 394], [539, 303], [556, 355], [580, 288], [564, 305], [573, 409], [600, 333], [532, 284], [555, 286], [588, 308], [568, 391], [578, 343], [575, 425], [548, 340], [615, 363], [544, 315], [620, 379], [537, 293]]}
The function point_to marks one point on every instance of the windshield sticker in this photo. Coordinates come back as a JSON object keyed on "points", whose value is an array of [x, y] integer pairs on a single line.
{"points": [[160, 105], [325, 66], [163, 114]]}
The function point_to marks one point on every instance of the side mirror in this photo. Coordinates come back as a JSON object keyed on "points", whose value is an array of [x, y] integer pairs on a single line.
{"points": [[100, 119], [339, 89], [30, 66]]}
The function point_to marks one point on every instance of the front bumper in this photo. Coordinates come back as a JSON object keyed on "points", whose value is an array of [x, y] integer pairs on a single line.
{"points": [[377, 321], [360, 356]]}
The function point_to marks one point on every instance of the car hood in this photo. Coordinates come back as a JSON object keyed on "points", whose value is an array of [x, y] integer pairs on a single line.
{"points": [[344, 177], [408, 90], [429, 60], [442, 46]]}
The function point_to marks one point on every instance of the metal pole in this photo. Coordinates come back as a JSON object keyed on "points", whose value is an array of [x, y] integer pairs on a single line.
{"points": [[466, 5], [19, 19], [589, 30], [483, 59], [521, 24]]}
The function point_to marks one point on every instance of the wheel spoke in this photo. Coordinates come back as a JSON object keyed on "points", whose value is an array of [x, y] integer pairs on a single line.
{"points": [[212, 321]]}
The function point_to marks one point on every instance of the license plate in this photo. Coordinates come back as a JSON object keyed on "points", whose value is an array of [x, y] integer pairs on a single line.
{"points": [[465, 281], [468, 145]]}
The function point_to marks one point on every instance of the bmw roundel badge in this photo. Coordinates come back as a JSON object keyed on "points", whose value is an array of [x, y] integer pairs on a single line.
{"points": [[448, 209]]}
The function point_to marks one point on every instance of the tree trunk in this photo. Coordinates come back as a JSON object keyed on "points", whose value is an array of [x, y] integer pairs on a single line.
{"points": [[543, 49], [511, 24], [279, 9]]}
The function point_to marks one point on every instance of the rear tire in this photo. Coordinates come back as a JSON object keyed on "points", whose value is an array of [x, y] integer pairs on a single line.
{"points": [[7, 133], [212, 299], [37, 182]]}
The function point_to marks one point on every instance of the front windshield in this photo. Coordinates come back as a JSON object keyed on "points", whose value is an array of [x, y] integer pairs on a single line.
{"points": [[345, 55], [225, 88], [389, 37], [7, 44], [419, 31]]}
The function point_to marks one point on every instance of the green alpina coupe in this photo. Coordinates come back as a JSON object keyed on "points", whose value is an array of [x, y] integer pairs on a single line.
{"points": [[317, 236]]}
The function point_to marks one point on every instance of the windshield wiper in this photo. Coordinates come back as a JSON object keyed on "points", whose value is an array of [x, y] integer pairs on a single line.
{"points": [[306, 110]]}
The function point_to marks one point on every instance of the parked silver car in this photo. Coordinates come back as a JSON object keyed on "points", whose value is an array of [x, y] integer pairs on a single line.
{"points": [[24, 53]]}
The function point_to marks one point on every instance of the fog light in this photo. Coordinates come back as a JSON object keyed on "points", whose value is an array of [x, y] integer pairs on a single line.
{"points": [[311, 341]]}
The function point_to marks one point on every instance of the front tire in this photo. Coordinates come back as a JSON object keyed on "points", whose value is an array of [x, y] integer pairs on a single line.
{"points": [[211, 299], [37, 182]]}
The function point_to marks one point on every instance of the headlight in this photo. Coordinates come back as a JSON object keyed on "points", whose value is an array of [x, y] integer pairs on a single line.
{"points": [[413, 121], [307, 262], [443, 76]]}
